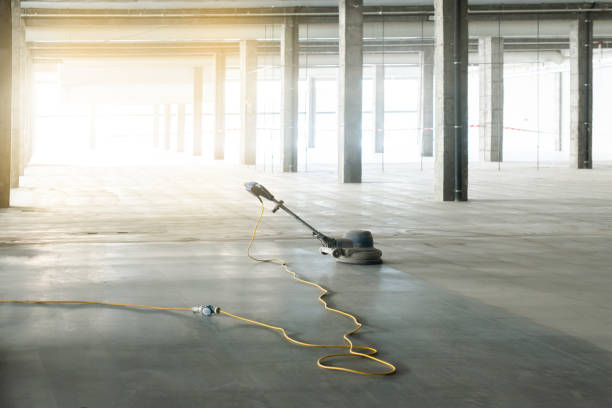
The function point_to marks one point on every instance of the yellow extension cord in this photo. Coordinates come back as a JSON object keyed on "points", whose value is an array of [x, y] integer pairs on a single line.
{"points": [[368, 352]]}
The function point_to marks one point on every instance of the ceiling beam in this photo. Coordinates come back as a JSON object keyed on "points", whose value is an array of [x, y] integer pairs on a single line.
{"points": [[188, 49], [274, 15]]}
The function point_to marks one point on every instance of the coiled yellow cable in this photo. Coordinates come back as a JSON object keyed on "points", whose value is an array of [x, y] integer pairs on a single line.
{"points": [[368, 352]]}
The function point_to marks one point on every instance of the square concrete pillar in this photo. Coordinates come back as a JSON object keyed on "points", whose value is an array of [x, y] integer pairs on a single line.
{"points": [[379, 109], [248, 101], [426, 108], [451, 79], [558, 125], [23, 101], [581, 92], [491, 55], [17, 92], [6, 49], [33, 110], [180, 128], [219, 106], [93, 138], [28, 106], [156, 126], [167, 119], [198, 94], [311, 112], [350, 75], [289, 60]]}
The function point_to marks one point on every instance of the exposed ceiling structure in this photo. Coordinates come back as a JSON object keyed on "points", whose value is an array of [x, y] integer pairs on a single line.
{"points": [[179, 4], [185, 32], [191, 21]]}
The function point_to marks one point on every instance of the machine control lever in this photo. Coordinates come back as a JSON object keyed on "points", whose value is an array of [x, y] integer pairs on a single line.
{"points": [[278, 205]]}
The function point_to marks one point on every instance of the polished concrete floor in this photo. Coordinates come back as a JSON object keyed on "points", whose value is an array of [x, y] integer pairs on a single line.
{"points": [[503, 301]]}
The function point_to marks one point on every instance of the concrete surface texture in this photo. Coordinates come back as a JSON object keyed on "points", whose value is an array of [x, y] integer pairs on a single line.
{"points": [[502, 301]]}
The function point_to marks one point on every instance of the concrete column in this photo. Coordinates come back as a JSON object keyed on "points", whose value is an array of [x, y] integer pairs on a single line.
{"points": [[558, 125], [17, 93], [426, 107], [311, 112], [581, 92], [167, 119], [379, 109], [491, 53], [31, 104], [289, 59], [93, 142], [248, 101], [180, 128], [28, 105], [156, 126], [198, 93], [219, 106], [350, 74], [23, 101], [6, 49], [451, 79]]}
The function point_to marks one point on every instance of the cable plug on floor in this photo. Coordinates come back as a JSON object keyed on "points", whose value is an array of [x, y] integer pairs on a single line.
{"points": [[205, 310]]}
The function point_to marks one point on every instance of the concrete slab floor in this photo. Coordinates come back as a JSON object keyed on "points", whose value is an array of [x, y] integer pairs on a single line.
{"points": [[499, 302]]}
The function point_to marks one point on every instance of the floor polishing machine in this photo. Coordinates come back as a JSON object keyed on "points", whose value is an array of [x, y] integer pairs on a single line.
{"points": [[355, 247]]}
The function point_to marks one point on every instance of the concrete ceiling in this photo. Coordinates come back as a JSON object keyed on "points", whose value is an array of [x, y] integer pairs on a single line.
{"points": [[165, 4], [329, 32]]}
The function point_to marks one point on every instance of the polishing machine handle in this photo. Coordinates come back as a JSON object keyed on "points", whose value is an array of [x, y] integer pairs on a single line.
{"points": [[260, 191]]}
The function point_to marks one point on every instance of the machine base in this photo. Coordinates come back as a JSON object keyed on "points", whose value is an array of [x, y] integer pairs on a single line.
{"points": [[360, 256], [363, 257]]}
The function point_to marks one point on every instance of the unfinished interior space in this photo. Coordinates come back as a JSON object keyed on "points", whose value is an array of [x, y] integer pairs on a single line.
{"points": [[443, 168]]}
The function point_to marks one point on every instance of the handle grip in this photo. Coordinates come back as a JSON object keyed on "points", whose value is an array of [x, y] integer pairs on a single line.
{"points": [[259, 191]]}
